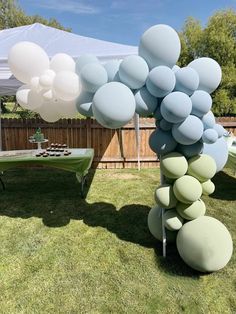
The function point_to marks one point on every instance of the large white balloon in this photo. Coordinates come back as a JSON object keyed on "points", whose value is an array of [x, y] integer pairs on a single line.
{"points": [[66, 85], [62, 62], [35, 100], [66, 109], [48, 111], [22, 96], [26, 60]]}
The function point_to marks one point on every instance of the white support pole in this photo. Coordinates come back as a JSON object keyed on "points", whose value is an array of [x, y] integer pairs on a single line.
{"points": [[164, 243], [0, 125], [137, 133]]}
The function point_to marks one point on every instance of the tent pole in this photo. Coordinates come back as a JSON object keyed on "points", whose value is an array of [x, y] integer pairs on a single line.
{"points": [[0, 124], [137, 133]]}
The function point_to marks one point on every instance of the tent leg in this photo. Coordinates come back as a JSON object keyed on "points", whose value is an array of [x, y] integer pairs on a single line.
{"points": [[137, 133]]}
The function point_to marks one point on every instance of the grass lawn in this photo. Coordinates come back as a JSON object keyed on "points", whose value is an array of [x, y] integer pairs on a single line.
{"points": [[62, 254]]}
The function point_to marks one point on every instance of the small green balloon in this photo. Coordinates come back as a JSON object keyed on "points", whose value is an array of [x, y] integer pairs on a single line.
{"points": [[172, 220], [187, 189], [191, 211], [174, 165], [202, 167], [164, 196], [208, 187]]}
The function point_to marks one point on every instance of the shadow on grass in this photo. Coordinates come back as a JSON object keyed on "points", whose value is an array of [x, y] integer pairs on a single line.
{"points": [[225, 187], [57, 200]]}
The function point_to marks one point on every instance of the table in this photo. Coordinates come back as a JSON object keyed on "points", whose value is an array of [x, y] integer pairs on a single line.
{"points": [[79, 162]]}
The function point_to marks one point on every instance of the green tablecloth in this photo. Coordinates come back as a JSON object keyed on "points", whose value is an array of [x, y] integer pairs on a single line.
{"points": [[79, 161], [231, 163]]}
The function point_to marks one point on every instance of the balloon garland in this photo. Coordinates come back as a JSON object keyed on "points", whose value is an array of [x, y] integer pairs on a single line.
{"points": [[187, 139]]}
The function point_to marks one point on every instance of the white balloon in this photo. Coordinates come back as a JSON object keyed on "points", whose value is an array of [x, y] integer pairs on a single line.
{"points": [[35, 100], [26, 60], [22, 96], [62, 62], [45, 81], [48, 95], [66, 85], [48, 111], [34, 83], [67, 109]]}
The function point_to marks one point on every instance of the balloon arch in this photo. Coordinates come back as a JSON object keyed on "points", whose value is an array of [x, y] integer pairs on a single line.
{"points": [[189, 143]]}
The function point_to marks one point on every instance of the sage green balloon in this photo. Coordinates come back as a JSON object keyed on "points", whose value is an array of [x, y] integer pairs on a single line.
{"points": [[155, 226], [165, 197], [202, 167], [174, 165], [205, 244], [187, 189], [172, 220], [191, 211], [208, 187]]}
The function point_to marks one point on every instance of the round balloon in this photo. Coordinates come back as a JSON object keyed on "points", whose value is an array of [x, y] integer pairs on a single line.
{"points": [[35, 100], [157, 113], [220, 130], [202, 167], [165, 125], [162, 142], [209, 136], [160, 45], [84, 104], [62, 62], [26, 60], [133, 71], [160, 81], [146, 104], [49, 112], [209, 73], [172, 220], [66, 85], [155, 225], [45, 81], [175, 68], [34, 84], [113, 105], [66, 109], [175, 107], [189, 131], [208, 120], [187, 80], [191, 211], [218, 151], [190, 150], [173, 165], [84, 60], [208, 187], [93, 76], [112, 68], [22, 96], [187, 189], [201, 102], [164, 196], [205, 244]]}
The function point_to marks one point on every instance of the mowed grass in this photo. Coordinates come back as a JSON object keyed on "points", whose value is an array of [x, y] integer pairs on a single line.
{"points": [[62, 254]]}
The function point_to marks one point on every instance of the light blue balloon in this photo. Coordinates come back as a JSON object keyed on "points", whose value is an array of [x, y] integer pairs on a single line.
{"points": [[84, 60], [201, 102], [188, 131], [218, 151], [113, 105], [160, 45], [93, 76], [112, 68], [160, 81], [84, 104], [175, 107], [165, 125], [157, 113], [133, 72], [209, 73], [162, 142], [187, 80], [146, 104], [190, 150], [175, 68], [209, 136], [208, 120], [220, 130]]}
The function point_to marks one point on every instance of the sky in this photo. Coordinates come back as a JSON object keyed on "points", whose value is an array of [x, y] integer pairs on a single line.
{"points": [[122, 21]]}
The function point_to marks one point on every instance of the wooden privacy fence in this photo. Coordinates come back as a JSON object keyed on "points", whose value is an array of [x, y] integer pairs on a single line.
{"points": [[113, 148]]}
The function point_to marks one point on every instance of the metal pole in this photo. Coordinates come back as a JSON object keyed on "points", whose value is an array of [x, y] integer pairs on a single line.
{"points": [[137, 133], [0, 124]]}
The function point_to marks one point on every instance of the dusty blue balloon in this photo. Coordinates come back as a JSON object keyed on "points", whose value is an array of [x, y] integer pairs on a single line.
{"points": [[165, 125], [175, 68], [190, 150], [187, 80], [133, 72], [84, 104], [175, 107], [219, 129], [112, 68], [160, 81], [160, 45], [201, 102], [218, 151], [209, 136], [162, 142], [189, 131], [93, 76], [157, 113], [209, 73], [113, 105], [84, 60], [208, 120], [146, 104]]}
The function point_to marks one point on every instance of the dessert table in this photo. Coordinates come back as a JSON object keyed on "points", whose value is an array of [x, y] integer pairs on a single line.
{"points": [[79, 161]]}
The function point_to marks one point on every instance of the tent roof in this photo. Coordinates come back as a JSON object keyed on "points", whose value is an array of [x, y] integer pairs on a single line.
{"points": [[54, 41]]}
